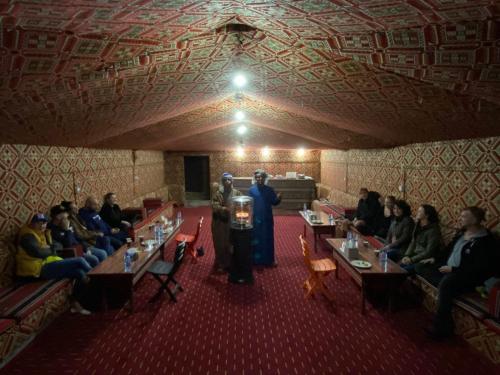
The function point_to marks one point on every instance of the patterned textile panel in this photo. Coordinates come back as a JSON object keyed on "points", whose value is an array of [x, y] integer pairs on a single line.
{"points": [[467, 325], [53, 288], [56, 303], [278, 162], [336, 172], [448, 175], [17, 298], [33, 178], [18, 336], [160, 193], [322, 191], [7, 331], [7, 262], [494, 301], [366, 70]]}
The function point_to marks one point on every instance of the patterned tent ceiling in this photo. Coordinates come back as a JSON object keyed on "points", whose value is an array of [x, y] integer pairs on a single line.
{"points": [[156, 74]]}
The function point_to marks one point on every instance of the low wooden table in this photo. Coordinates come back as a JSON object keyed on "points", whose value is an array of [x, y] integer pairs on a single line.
{"points": [[318, 229], [110, 274], [388, 276]]}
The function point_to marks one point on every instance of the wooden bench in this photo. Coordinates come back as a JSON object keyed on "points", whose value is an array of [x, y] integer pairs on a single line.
{"points": [[477, 320], [167, 210], [336, 210], [26, 306]]}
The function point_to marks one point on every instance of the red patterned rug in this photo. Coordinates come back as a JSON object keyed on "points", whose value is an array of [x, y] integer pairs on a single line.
{"points": [[265, 328]]}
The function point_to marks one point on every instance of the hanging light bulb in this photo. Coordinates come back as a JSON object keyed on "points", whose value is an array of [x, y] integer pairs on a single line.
{"points": [[240, 80], [242, 129], [239, 116], [266, 152]]}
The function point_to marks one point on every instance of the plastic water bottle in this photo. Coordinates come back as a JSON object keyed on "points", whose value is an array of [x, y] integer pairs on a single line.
{"points": [[330, 219], [349, 240], [157, 232], [305, 208], [160, 233], [382, 256], [179, 217], [127, 261]]}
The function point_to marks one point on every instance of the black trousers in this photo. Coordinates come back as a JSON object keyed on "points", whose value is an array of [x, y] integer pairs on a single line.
{"points": [[450, 287]]}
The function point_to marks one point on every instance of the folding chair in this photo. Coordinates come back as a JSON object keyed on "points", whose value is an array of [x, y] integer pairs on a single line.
{"points": [[190, 240], [164, 272], [318, 270]]}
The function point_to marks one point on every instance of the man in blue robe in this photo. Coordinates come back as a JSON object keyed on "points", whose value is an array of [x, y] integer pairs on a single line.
{"points": [[263, 225]]}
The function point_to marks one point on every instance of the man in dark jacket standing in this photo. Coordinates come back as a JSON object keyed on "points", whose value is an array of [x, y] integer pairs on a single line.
{"points": [[473, 259]]}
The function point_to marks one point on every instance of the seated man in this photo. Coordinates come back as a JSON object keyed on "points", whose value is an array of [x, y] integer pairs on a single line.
{"points": [[473, 257], [83, 235], [36, 257], [386, 217], [94, 222], [368, 212], [62, 232], [426, 239], [111, 213]]}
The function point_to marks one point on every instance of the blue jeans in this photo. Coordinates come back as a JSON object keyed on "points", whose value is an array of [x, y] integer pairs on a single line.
{"points": [[410, 268], [104, 243], [116, 242], [72, 268], [100, 254], [91, 259], [394, 254]]}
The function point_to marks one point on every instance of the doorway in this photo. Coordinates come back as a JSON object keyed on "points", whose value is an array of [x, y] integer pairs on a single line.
{"points": [[197, 177]]}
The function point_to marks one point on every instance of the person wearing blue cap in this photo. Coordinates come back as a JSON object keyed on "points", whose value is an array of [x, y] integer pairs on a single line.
{"points": [[264, 198], [221, 224], [36, 258]]}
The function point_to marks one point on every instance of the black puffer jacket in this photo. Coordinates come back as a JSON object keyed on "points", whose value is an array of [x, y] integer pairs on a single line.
{"points": [[480, 257]]}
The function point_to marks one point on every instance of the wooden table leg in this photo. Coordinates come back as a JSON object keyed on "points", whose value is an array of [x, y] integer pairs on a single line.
{"points": [[131, 301], [104, 299], [363, 298]]}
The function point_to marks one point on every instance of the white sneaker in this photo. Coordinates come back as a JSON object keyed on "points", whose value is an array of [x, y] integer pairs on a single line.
{"points": [[82, 311]]}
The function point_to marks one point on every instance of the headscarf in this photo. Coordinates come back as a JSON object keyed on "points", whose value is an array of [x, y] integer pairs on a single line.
{"points": [[262, 173], [226, 176]]}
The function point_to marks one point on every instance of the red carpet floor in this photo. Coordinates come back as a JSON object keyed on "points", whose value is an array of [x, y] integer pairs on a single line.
{"points": [[266, 328]]}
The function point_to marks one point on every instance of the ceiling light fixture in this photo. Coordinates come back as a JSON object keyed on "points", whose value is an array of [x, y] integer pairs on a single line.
{"points": [[301, 151], [266, 151], [239, 80], [242, 129], [239, 115]]}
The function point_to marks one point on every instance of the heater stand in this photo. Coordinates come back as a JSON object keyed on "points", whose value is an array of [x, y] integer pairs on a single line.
{"points": [[240, 271]]}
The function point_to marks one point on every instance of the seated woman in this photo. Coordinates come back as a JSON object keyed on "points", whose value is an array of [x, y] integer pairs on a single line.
{"points": [[426, 239], [36, 258], [400, 231], [473, 257]]}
